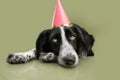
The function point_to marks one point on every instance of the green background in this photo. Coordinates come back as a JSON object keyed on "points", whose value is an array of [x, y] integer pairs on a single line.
{"points": [[22, 20]]}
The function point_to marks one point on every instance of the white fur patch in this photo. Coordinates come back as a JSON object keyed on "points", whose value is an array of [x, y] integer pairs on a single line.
{"points": [[66, 49], [28, 53]]}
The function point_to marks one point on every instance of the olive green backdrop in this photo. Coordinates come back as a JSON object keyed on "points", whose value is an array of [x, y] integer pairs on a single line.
{"points": [[22, 20]]}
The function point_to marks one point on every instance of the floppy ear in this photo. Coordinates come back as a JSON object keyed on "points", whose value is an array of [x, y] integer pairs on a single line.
{"points": [[41, 42], [84, 40]]}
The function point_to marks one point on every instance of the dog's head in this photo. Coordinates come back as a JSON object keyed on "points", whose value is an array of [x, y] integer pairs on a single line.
{"points": [[67, 44]]}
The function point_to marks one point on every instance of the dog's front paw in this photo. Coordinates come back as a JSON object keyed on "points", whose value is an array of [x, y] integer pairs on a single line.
{"points": [[15, 59], [47, 57]]}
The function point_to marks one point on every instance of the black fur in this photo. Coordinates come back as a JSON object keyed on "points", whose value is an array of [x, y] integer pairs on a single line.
{"points": [[85, 41], [44, 42]]}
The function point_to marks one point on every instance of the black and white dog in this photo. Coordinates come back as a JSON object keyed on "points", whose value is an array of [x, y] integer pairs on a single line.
{"points": [[64, 45]]}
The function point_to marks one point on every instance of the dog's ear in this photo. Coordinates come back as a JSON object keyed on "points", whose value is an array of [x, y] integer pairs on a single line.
{"points": [[41, 42], [84, 40]]}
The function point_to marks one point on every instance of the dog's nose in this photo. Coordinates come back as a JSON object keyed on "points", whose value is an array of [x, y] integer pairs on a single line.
{"points": [[69, 60]]}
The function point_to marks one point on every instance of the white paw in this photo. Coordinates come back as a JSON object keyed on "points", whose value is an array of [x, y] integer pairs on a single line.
{"points": [[47, 57], [14, 59]]}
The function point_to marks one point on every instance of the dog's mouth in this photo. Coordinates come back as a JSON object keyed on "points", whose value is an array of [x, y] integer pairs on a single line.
{"points": [[68, 61]]}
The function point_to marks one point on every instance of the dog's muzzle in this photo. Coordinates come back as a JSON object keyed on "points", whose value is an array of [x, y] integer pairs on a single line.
{"points": [[67, 56]]}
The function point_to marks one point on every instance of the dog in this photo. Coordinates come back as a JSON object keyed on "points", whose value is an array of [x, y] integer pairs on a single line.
{"points": [[63, 45]]}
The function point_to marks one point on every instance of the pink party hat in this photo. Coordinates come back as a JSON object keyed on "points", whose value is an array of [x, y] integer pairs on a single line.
{"points": [[60, 18]]}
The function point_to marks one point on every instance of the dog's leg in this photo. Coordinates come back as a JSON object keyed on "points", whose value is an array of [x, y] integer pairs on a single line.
{"points": [[21, 57], [47, 57]]}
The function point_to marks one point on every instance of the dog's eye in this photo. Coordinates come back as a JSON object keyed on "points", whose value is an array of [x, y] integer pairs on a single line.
{"points": [[55, 40], [72, 37]]}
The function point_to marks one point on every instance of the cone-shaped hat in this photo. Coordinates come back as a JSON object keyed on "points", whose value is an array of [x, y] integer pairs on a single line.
{"points": [[60, 17]]}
